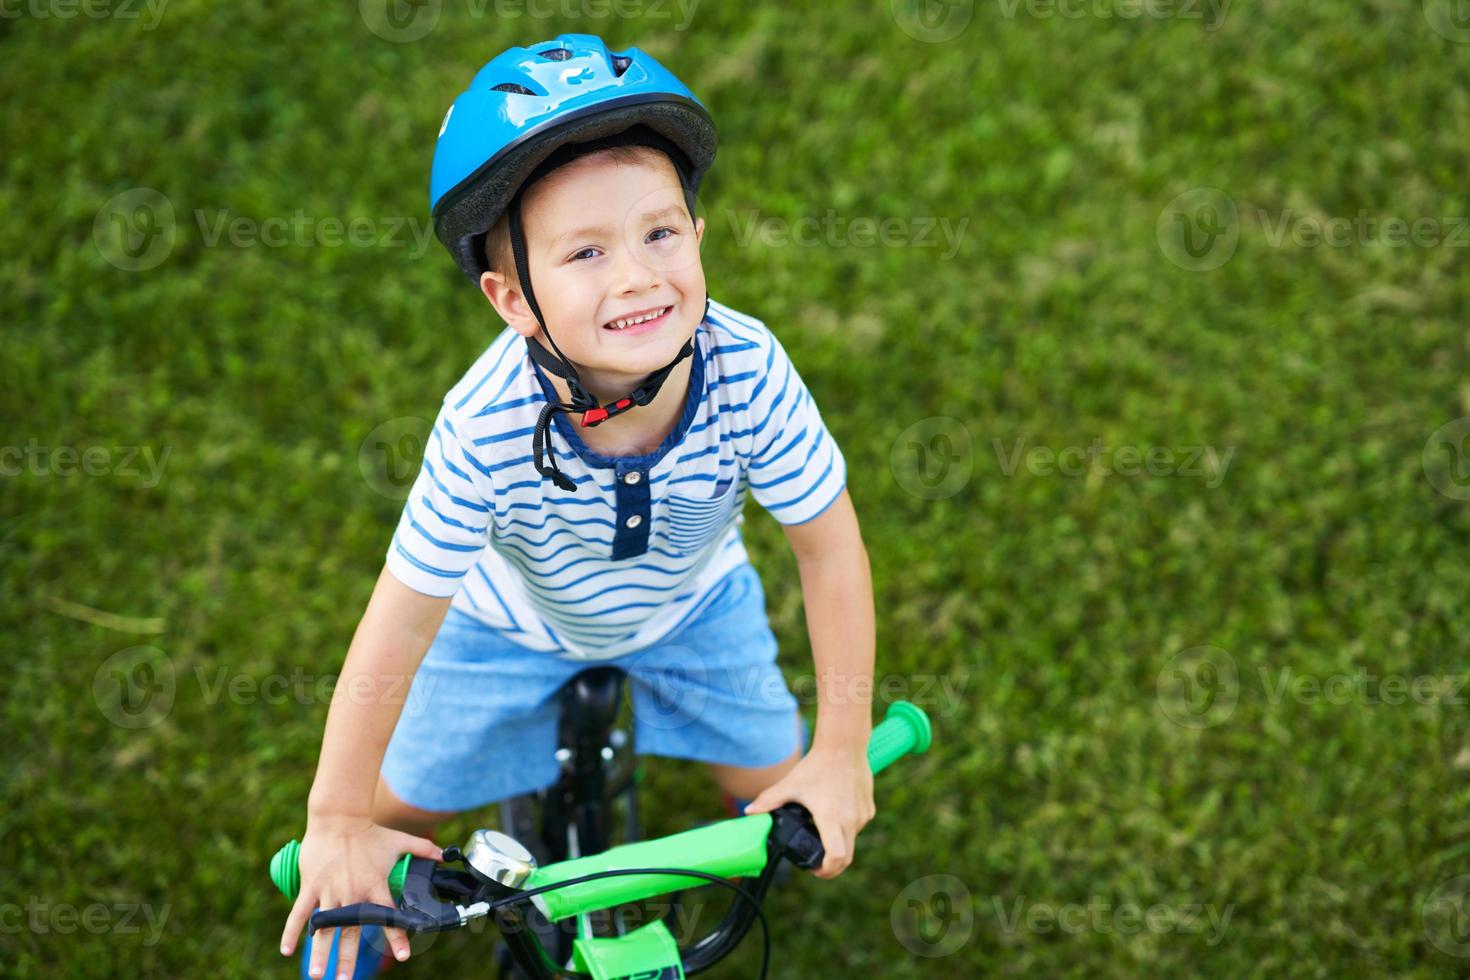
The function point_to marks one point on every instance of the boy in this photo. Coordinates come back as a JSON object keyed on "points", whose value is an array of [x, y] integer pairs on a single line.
{"points": [[530, 548]]}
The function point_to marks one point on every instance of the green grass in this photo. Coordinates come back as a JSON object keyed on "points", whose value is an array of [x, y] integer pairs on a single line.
{"points": [[1051, 603]]}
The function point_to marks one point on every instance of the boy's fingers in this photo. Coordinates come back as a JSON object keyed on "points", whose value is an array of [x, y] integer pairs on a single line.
{"points": [[835, 842], [295, 922], [346, 952], [419, 847], [397, 939], [321, 948]]}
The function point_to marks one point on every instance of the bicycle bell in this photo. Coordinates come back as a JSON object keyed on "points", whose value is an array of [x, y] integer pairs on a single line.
{"points": [[497, 857]]}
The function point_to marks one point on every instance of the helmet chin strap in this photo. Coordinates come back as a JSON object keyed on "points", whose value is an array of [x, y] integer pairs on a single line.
{"points": [[582, 400]]}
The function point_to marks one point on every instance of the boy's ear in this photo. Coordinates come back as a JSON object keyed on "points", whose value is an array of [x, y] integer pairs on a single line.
{"points": [[699, 230], [509, 303]]}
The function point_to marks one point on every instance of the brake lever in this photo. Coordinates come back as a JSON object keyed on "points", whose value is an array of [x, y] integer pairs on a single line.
{"points": [[795, 834], [419, 910], [369, 914]]}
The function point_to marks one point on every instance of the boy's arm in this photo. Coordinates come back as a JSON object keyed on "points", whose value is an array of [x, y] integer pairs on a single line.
{"points": [[391, 640], [833, 780], [343, 854]]}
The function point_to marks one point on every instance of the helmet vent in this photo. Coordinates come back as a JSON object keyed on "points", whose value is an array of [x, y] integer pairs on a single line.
{"points": [[620, 64], [555, 54], [512, 87]]}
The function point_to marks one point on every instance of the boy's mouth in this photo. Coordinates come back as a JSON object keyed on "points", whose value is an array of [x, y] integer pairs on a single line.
{"points": [[641, 322]]}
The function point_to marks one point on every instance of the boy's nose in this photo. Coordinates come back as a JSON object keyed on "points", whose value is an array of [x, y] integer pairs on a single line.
{"points": [[633, 274]]}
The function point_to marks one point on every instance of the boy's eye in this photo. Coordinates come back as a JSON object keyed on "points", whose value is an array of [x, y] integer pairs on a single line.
{"points": [[584, 254], [659, 234]]}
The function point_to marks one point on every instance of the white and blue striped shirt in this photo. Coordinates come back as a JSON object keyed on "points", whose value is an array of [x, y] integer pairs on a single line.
{"points": [[638, 549]]}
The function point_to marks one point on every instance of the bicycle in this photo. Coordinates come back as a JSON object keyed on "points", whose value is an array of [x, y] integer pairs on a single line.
{"points": [[500, 877]]}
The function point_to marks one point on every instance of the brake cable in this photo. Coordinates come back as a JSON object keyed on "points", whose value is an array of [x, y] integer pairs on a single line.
{"points": [[530, 893]]}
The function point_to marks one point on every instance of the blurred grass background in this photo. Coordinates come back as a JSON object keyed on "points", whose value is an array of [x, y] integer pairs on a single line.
{"points": [[1070, 766]]}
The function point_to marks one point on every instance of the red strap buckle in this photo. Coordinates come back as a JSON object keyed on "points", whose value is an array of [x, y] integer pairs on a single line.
{"points": [[593, 415]]}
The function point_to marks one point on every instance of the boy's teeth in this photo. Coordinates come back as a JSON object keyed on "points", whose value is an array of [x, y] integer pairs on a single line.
{"points": [[620, 324]]}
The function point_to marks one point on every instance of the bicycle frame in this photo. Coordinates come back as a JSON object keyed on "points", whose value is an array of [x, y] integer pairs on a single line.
{"points": [[746, 847]]}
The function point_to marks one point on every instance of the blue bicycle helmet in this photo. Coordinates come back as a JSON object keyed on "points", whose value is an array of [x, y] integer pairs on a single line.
{"points": [[528, 111], [527, 102]]}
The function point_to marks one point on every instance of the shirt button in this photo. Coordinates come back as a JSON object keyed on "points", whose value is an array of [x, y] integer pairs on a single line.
{"points": [[633, 521], [632, 477]]}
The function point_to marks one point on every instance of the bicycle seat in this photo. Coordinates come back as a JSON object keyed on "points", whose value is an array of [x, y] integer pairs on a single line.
{"points": [[590, 701]]}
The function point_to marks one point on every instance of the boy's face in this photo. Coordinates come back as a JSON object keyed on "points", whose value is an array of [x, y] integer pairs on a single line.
{"points": [[606, 242]]}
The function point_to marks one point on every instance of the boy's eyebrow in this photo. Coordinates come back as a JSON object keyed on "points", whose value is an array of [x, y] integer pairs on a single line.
{"points": [[594, 230]]}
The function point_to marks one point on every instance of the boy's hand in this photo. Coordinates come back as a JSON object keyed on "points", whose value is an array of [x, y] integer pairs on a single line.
{"points": [[345, 861], [836, 786]]}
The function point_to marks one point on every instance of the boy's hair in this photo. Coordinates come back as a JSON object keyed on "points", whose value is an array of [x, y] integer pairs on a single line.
{"points": [[497, 240]]}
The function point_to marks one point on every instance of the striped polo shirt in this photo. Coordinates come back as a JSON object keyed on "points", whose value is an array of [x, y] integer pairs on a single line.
{"points": [[643, 544]]}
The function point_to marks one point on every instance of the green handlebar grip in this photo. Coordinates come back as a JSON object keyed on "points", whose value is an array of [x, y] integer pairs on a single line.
{"points": [[286, 872], [904, 729]]}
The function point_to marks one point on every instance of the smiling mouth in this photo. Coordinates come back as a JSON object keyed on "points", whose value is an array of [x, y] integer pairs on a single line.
{"points": [[641, 322]]}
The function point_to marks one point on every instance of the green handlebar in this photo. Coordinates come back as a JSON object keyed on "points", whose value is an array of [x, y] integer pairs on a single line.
{"points": [[904, 729]]}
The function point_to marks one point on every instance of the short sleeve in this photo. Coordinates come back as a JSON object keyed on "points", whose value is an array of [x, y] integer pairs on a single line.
{"points": [[445, 521], [796, 468]]}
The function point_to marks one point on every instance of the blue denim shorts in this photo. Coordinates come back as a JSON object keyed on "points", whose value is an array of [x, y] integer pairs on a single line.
{"points": [[480, 720]]}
